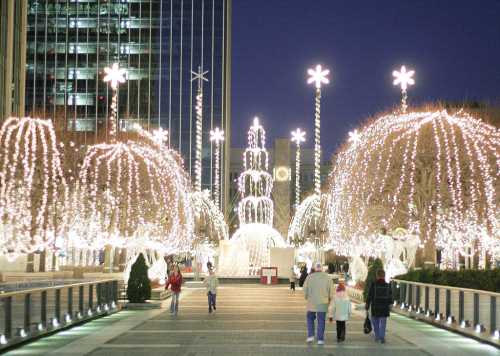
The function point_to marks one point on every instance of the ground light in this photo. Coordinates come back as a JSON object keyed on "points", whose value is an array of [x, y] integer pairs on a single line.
{"points": [[40, 327], [113, 305], [68, 318], [23, 333], [55, 322], [3, 340], [79, 315], [496, 335]]}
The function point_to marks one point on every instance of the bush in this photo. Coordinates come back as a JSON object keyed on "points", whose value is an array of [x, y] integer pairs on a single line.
{"points": [[139, 287], [488, 280], [372, 275]]}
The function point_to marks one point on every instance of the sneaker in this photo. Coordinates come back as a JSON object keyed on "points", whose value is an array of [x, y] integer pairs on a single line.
{"points": [[214, 307], [310, 339], [321, 342]]}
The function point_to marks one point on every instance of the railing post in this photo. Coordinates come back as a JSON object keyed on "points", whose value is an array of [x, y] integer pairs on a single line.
{"points": [[417, 297], [58, 305], [43, 311], [410, 294], [80, 299], [91, 296], [99, 293], [27, 311], [115, 291], [476, 309], [493, 314], [8, 316], [426, 298], [436, 301], [70, 301], [448, 303], [461, 306]]}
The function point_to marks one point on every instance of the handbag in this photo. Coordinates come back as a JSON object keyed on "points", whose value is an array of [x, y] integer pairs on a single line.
{"points": [[367, 327]]}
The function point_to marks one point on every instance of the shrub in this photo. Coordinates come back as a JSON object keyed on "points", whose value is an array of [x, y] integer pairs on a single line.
{"points": [[488, 280], [371, 277], [139, 287]]}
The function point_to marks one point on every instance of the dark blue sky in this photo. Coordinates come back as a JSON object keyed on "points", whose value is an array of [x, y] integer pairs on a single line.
{"points": [[454, 46]]}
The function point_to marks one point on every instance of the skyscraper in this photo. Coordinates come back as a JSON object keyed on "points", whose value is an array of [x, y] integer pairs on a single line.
{"points": [[158, 42]]}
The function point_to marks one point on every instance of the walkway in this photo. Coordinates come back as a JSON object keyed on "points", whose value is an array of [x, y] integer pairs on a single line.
{"points": [[250, 320]]}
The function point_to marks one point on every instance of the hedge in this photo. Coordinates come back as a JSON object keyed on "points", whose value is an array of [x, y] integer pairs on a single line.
{"points": [[488, 280]]}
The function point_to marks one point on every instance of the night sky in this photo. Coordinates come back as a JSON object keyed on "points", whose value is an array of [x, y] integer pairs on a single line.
{"points": [[454, 46]]}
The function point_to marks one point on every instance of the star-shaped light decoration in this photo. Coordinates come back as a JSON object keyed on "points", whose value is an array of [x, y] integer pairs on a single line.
{"points": [[160, 136], [318, 76], [354, 137], [403, 78], [298, 136], [217, 135], [114, 75]]}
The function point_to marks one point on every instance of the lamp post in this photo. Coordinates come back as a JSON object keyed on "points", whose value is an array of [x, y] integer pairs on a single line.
{"points": [[318, 76], [403, 78], [200, 77], [114, 75], [217, 136], [298, 136]]}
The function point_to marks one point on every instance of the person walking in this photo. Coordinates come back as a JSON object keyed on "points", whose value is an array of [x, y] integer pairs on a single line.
{"points": [[318, 288], [303, 276], [175, 282], [340, 310], [293, 279], [379, 301], [211, 282]]}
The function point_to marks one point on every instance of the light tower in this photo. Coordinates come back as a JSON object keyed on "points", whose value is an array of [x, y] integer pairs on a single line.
{"points": [[298, 136], [217, 136], [318, 76], [200, 77]]}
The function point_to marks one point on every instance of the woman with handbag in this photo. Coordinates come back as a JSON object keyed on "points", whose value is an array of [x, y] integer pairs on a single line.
{"points": [[175, 282]]}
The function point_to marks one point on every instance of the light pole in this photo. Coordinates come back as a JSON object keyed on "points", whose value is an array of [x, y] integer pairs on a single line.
{"points": [[200, 77], [403, 78], [298, 136], [114, 75], [318, 76], [217, 136]]}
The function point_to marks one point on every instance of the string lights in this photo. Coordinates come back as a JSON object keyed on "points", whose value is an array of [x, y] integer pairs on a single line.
{"points": [[114, 75], [33, 189], [431, 173], [217, 136], [298, 136]]}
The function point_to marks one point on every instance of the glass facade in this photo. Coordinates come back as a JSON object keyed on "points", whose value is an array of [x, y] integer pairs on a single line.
{"points": [[159, 42]]}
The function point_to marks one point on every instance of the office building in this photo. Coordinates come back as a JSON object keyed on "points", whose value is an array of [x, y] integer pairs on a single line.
{"points": [[158, 42]]}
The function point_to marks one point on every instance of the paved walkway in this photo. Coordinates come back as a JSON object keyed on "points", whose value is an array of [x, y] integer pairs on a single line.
{"points": [[250, 320]]}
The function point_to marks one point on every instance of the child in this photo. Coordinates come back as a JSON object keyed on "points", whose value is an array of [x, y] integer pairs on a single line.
{"points": [[175, 282], [211, 282], [340, 310]]}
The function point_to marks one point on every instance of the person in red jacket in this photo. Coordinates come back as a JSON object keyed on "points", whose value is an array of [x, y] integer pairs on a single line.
{"points": [[175, 282]]}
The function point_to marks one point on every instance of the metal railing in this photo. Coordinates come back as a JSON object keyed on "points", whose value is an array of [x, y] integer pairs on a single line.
{"points": [[470, 311], [31, 313]]}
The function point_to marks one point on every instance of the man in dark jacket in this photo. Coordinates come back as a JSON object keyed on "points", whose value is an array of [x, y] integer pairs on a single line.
{"points": [[379, 300]]}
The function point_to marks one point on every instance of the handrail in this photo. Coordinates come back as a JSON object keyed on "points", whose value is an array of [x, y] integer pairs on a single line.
{"points": [[62, 286], [444, 286]]}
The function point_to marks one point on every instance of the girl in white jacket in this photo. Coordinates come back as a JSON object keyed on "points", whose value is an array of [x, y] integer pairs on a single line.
{"points": [[340, 310]]}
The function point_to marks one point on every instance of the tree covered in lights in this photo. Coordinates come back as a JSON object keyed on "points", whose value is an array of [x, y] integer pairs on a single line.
{"points": [[432, 174]]}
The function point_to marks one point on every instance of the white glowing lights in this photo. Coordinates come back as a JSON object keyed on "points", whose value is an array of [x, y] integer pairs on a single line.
{"points": [[131, 194], [200, 78], [425, 175], [354, 137], [33, 189], [114, 75], [217, 136], [403, 78], [318, 76], [298, 136], [256, 208]]}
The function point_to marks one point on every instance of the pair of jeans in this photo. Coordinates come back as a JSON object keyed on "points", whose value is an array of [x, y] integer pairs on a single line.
{"points": [[211, 301], [379, 324], [341, 330], [174, 304], [292, 286], [311, 317]]}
